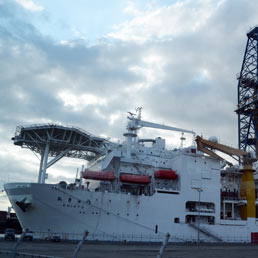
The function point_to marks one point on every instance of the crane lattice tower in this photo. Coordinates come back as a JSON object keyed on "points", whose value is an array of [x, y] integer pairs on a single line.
{"points": [[247, 96]]}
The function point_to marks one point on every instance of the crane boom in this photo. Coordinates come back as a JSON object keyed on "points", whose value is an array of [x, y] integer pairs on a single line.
{"points": [[164, 127], [208, 147]]}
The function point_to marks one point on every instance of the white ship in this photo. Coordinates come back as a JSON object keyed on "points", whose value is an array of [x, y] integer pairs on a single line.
{"points": [[136, 191]]}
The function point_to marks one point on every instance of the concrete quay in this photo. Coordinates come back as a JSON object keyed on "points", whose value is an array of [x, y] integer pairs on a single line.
{"points": [[130, 250]]}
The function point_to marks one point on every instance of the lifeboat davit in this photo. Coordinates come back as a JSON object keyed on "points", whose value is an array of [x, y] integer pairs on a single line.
{"points": [[99, 175], [135, 179], [166, 174]]}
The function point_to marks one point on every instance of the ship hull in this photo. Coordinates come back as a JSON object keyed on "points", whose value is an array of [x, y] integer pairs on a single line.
{"points": [[51, 210]]}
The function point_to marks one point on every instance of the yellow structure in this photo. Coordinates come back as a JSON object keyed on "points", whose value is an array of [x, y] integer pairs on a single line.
{"points": [[247, 190]]}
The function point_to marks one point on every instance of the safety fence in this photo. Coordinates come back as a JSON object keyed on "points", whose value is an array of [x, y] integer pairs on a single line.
{"points": [[151, 238], [14, 253]]}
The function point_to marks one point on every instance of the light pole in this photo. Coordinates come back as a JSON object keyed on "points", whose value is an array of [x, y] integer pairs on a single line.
{"points": [[199, 203]]}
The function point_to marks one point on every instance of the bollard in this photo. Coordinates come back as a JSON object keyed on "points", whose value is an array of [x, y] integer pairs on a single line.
{"points": [[80, 244], [18, 242], [164, 245]]}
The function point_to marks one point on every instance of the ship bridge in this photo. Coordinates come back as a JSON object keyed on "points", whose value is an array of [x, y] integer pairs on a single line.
{"points": [[57, 141]]}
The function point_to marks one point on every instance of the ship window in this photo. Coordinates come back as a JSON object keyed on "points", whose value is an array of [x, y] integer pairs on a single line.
{"points": [[63, 205], [176, 220], [68, 205], [107, 213], [127, 214], [59, 198], [74, 206], [137, 215], [189, 219], [79, 201], [70, 199], [156, 229]]}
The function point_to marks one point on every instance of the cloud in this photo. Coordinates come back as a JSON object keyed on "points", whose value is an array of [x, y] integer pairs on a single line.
{"points": [[179, 18], [30, 5], [177, 61]]}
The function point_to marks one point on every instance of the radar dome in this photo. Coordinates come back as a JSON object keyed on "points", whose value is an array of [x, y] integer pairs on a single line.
{"points": [[214, 139]]}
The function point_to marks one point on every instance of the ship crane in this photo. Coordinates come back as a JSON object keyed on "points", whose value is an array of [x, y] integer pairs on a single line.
{"points": [[135, 123], [247, 188]]}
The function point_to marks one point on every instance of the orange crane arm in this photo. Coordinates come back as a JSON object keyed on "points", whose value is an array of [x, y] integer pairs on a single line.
{"points": [[207, 147]]}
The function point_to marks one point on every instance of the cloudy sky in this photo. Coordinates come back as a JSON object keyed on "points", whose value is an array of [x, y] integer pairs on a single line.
{"points": [[86, 63]]}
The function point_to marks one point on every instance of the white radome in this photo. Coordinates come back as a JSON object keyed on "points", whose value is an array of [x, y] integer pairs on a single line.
{"points": [[214, 139]]}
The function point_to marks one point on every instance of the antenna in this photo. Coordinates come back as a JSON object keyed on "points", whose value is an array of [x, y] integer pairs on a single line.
{"points": [[139, 111], [182, 138]]}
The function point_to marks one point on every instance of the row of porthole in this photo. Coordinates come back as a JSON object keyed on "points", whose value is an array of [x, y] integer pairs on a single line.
{"points": [[69, 199], [118, 214], [73, 206], [79, 201], [83, 212]]}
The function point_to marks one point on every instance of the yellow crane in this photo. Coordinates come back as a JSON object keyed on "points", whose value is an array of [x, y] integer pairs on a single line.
{"points": [[247, 188]]}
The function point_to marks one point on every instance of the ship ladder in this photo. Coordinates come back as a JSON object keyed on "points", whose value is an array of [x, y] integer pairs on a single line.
{"points": [[206, 232]]}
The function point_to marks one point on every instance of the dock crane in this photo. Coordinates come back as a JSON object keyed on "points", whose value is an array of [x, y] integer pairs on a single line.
{"points": [[247, 188]]}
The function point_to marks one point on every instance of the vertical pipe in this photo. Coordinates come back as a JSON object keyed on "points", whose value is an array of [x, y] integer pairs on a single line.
{"points": [[130, 134], [40, 168], [45, 163], [199, 191], [224, 210], [80, 183], [129, 146]]}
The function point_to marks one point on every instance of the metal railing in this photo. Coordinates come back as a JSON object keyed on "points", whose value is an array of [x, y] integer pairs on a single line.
{"points": [[157, 238]]}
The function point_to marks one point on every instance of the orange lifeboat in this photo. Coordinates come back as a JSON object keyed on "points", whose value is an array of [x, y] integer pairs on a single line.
{"points": [[166, 174], [99, 175], [135, 179]]}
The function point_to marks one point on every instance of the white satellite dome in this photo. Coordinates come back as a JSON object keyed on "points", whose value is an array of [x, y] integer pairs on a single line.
{"points": [[214, 139]]}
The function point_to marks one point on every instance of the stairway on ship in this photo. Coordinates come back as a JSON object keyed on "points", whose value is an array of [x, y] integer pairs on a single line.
{"points": [[205, 232]]}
